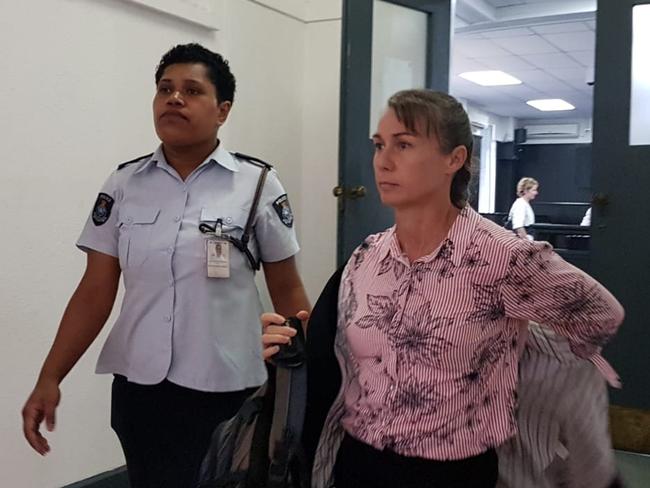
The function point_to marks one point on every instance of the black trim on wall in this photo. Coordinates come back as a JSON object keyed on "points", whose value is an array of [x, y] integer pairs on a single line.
{"points": [[116, 478]]}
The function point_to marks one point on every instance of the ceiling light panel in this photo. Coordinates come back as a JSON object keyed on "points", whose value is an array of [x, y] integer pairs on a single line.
{"points": [[551, 105], [490, 78]]}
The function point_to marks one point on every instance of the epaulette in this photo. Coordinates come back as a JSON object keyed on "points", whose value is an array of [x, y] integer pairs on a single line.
{"points": [[140, 158], [253, 160]]}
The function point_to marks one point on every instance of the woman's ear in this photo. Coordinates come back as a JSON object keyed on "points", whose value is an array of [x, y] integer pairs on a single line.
{"points": [[457, 158], [224, 111]]}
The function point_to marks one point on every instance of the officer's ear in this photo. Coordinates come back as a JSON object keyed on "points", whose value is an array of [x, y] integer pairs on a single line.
{"points": [[224, 111]]}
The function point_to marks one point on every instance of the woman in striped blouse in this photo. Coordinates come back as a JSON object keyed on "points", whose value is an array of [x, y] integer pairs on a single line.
{"points": [[429, 315]]}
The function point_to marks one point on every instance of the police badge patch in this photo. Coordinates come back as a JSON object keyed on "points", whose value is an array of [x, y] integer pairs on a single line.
{"points": [[282, 207], [102, 208]]}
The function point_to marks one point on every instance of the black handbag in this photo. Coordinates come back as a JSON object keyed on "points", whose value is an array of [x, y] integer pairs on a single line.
{"points": [[260, 447]]}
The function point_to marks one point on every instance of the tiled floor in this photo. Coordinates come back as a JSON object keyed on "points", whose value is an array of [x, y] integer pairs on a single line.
{"points": [[635, 469]]}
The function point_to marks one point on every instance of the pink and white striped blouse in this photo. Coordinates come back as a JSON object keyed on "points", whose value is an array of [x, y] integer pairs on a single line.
{"points": [[430, 347]]}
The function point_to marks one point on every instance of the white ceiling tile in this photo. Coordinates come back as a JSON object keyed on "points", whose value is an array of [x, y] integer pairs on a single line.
{"points": [[462, 87], [518, 109], [495, 96], [552, 60], [524, 45], [580, 84], [477, 92], [505, 3], [477, 48], [560, 28], [577, 84], [460, 64], [537, 75], [468, 15], [573, 41], [473, 35], [585, 58], [567, 93], [569, 74], [522, 92], [506, 63], [496, 34], [544, 86]]}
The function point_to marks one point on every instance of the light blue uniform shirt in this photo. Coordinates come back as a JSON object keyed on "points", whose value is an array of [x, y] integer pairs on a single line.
{"points": [[175, 322]]}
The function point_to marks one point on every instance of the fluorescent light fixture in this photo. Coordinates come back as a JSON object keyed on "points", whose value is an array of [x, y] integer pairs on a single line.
{"points": [[551, 105], [490, 78]]}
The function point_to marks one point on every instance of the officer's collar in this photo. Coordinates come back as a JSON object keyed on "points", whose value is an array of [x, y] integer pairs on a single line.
{"points": [[219, 156]]}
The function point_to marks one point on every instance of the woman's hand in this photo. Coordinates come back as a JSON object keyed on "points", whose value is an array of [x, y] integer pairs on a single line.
{"points": [[40, 406], [274, 332]]}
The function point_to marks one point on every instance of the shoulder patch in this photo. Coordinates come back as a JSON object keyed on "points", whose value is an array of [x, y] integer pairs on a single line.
{"points": [[252, 160], [140, 158], [283, 209], [102, 208]]}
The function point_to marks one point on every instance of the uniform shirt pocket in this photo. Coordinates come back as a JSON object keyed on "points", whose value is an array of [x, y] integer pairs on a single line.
{"points": [[136, 225], [233, 219], [233, 222]]}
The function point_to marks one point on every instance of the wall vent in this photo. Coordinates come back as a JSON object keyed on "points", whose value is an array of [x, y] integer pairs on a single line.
{"points": [[550, 131]]}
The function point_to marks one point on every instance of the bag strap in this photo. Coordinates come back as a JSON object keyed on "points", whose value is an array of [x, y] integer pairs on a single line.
{"points": [[289, 412], [265, 168]]}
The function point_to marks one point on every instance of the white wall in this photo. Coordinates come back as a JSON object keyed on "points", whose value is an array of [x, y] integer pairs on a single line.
{"points": [[77, 88], [320, 151], [504, 127]]}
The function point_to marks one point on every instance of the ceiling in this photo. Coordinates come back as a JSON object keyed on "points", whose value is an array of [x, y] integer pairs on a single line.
{"points": [[548, 44]]}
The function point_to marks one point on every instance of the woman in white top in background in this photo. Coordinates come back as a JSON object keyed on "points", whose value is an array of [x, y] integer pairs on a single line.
{"points": [[521, 213]]}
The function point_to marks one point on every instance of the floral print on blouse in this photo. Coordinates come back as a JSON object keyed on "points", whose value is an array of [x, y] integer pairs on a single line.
{"points": [[429, 349]]}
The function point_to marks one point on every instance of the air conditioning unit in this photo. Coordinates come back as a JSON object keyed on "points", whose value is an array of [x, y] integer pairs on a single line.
{"points": [[551, 131]]}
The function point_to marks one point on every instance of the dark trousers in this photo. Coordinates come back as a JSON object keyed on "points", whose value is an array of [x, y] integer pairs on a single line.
{"points": [[361, 466], [165, 429]]}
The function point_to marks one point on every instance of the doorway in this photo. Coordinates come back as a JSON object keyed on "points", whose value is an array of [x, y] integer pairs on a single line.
{"points": [[387, 45]]}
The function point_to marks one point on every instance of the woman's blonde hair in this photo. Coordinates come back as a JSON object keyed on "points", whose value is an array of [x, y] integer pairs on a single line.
{"points": [[526, 184], [439, 114]]}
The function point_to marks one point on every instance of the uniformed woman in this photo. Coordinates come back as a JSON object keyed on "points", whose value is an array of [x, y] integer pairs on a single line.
{"points": [[186, 227]]}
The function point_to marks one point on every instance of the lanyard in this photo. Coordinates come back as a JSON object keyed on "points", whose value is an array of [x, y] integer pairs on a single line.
{"points": [[242, 243]]}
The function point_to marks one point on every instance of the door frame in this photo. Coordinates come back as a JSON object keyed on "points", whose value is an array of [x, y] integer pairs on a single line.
{"points": [[613, 177], [356, 74]]}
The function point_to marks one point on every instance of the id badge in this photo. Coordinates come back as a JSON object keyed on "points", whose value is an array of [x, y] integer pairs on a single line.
{"points": [[218, 258]]}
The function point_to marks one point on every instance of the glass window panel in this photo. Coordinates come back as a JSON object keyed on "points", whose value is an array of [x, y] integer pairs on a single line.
{"points": [[399, 50], [640, 93]]}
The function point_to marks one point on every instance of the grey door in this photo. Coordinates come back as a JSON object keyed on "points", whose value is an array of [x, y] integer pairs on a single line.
{"points": [[360, 211], [621, 179]]}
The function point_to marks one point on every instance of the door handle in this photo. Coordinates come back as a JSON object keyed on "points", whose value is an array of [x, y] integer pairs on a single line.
{"points": [[357, 192], [600, 200], [352, 193], [341, 194]]}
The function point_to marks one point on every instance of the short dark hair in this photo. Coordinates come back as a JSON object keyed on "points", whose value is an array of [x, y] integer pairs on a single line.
{"points": [[217, 67], [440, 115]]}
